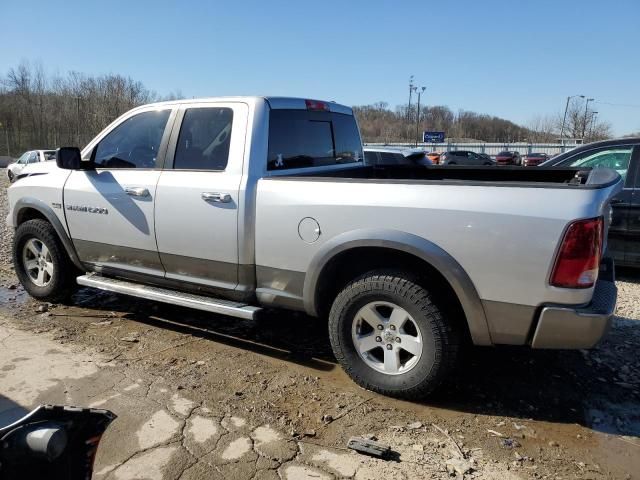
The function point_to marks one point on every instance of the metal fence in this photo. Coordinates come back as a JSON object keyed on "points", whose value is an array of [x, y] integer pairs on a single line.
{"points": [[488, 148]]}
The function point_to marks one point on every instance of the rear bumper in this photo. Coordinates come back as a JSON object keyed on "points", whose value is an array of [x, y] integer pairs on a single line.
{"points": [[579, 327]]}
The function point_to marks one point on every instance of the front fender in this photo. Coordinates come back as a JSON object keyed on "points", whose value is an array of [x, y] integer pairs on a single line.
{"points": [[47, 211], [411, 244]]}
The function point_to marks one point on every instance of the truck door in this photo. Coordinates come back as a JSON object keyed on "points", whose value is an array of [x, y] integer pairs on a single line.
{"points": [[197, 198], [110, 210], [629, 200]]}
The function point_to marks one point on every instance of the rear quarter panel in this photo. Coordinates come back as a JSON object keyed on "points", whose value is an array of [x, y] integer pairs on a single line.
{"points": [[504, 237]]}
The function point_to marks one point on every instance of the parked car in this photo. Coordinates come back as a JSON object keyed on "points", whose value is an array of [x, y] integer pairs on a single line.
{"points": [[464, 157], [508, 158], [434, 157], [395, 156], [236, 204], [534, 159], [32, 156], [622, 155]]}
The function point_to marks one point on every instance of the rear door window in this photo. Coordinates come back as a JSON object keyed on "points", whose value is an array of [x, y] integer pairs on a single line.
{"points": [[302, 138], [204, 139]]}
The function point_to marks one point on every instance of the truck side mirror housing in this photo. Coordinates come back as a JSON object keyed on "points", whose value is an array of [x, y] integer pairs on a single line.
{"points": [[70, 158]]}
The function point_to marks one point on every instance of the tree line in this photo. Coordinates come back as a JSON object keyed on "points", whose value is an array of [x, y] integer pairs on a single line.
{"points": [[46, 111], [40, 111], [378, 123]]}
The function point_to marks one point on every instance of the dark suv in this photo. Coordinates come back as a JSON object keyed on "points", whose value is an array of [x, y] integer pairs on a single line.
{"points": [[622, 155], [464, 157]]}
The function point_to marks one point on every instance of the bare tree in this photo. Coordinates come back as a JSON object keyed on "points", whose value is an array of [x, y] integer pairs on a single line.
{"points": [[542, 128], [37, 111]]}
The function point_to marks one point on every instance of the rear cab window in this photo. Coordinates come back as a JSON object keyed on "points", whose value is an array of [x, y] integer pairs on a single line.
{"points": [[305, 139]]}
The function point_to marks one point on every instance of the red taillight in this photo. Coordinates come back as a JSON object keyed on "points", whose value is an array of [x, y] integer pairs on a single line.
{"points": [[578, 260], [316, 105]]}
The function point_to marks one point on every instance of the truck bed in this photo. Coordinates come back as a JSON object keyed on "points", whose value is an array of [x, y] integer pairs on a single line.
{"points": [[496, 176]]}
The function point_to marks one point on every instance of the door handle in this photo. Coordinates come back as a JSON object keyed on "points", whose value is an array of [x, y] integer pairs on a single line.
{"points": [[136, 191], [216, 197]]}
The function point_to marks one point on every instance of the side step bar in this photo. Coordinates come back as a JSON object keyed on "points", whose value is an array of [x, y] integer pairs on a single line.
{"points": [[199, 302]]}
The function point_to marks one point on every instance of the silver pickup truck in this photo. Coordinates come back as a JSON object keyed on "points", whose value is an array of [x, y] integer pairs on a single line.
{"points": [[231, 205]]}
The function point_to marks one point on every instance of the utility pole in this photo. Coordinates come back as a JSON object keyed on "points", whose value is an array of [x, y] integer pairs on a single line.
{"points": [[421, 91], [565, 116], [584, 122], [411, 88], [593, 123], [78, 121]]}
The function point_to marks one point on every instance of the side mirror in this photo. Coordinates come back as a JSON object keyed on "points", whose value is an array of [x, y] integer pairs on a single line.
{"points": [[70, 158]]}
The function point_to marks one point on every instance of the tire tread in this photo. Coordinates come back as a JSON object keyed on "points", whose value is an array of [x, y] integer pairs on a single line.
{"points": [[405, 285]]}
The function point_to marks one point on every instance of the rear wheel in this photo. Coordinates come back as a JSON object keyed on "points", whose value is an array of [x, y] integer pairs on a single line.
{"points": [[41, 263], [390, 337]]}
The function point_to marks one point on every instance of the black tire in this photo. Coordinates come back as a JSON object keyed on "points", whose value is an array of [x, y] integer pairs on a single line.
{"points": [[61, 282], [10, 175], [441, 339], [452, 163]]}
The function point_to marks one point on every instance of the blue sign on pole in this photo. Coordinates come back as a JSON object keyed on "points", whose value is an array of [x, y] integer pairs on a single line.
{"points": [[433, 137]]}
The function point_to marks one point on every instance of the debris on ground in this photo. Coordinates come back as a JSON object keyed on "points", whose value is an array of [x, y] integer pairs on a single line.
{"points": [[42, 308], [369, 447], [104, 323], [510, 443], [133, 337], [459, 466], [327, 419]]}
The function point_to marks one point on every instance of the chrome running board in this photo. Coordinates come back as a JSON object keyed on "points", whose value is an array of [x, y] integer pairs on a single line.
{"points": [[199, 302]]}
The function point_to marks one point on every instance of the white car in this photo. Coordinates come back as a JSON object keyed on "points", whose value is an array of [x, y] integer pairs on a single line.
{"points": [[32, 156]]}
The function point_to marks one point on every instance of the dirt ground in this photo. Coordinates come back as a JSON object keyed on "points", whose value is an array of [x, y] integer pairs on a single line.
{"points": [[205, 396]]}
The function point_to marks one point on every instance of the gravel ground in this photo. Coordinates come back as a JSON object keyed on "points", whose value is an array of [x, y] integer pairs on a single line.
{"points": [[507, 413]]}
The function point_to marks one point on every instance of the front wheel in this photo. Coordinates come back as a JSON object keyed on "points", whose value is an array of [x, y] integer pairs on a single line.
{"points": [[390, 337], [10, 175], [41, 263]]}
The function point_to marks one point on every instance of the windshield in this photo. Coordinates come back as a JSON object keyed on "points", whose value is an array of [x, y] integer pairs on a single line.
{"points": [[302, 138], [615, 158]]}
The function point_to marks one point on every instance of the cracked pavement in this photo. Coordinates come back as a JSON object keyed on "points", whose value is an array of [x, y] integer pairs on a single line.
{"points": [[161, 433]]}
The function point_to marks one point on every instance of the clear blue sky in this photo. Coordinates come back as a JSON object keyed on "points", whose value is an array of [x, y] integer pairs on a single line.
{"points": [[515, 59]]}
